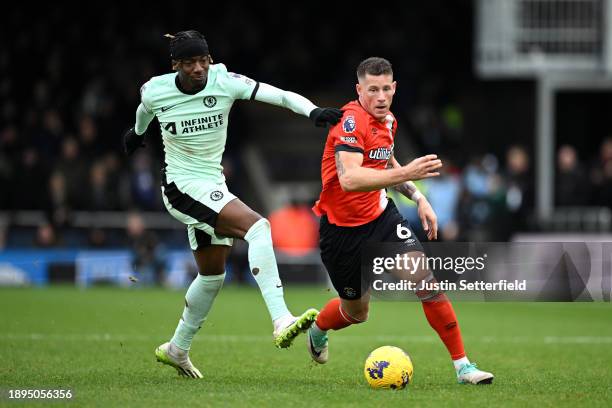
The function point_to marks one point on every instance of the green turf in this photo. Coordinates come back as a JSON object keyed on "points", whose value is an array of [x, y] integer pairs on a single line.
{"points": [[100, 343]]}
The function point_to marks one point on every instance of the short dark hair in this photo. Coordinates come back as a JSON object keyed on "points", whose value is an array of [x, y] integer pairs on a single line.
{"points": [[374, 66], [184, 35], [183, 42]]}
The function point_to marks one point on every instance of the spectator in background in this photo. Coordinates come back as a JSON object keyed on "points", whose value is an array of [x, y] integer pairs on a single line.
{"points": [[31, 173], [74, 170], [46, 236], [102, 195], [48, 138], [147, 260], [9, 153], [601, 175], [87, 137], [571, 186], [474, 208], [443, 193], [519, 188], [117, 180], [476, 177], [4, 222], [58, 209], [482, 204], [604, 197], [294, 229], [97, 238], [144, 188]]}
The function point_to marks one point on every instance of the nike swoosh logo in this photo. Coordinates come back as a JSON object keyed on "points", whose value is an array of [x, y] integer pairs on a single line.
{"points": [[165, 108], [279, 286], [312, 349]]}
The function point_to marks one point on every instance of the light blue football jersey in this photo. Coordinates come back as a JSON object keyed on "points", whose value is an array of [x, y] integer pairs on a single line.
{"points": [[194, 127]]}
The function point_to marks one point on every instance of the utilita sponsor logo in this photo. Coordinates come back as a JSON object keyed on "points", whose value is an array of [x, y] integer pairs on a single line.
{"points": [[382, 153]]}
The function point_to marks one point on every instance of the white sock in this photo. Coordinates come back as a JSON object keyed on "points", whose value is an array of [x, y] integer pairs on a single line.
{"points": [[460, 363], [283, 321], [262, 262], [198, 301], [176, 352]]}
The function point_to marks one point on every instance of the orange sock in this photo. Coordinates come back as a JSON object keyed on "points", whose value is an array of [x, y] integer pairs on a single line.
{"points": [[332, 316], [442, 319]]}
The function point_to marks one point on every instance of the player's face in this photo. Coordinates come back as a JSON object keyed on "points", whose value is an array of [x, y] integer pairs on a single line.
{"points": [[376, 94], [194, 70]]}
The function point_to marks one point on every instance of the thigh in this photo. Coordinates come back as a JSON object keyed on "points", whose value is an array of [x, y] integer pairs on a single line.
{"points": [[392, 227], [195, 201], [235, 219], [346, 278], [202, 235], [341, 255], [211, 259], [395, 237]]}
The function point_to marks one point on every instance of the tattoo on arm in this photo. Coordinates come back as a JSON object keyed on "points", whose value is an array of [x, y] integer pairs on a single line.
{"points": [[339, 166], [407, 189]]}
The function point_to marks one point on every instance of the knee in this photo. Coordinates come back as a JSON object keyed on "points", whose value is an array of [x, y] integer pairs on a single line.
{"points": [[261, 229], [212, 271], [265, 224]]}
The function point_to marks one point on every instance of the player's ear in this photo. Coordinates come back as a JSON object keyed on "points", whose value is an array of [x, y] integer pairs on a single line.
{"points": [[175, 65], [210, 59], [358, 88], [393, 86]]}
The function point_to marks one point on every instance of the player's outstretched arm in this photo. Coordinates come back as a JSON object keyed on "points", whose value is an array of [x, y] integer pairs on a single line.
{"points": [[354, 177], [134, 137], [297, 103]]}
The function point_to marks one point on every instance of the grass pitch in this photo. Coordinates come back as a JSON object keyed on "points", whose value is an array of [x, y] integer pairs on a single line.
{"points": [[100, 343]]}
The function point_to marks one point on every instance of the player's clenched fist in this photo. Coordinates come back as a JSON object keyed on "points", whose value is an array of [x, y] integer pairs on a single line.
{"points": [[325, 116], [423, 167], [132, 141]]}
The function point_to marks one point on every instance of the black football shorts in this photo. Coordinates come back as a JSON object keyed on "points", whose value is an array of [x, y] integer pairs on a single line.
{"points": [[342, 248]]}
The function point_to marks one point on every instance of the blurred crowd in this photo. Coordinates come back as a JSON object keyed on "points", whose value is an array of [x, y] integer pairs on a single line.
{"points": [[69, 89], [489, 199]]}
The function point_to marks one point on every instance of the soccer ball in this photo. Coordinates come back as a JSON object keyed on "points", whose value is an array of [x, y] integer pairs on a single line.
{"points": [[388, 367]]}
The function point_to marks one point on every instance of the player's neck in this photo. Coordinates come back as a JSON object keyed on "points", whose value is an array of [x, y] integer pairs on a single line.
{"points": [[186, 86]]}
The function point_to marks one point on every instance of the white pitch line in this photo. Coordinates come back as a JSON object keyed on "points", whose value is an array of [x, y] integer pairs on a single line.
{"points": [[577, 340], [232, 338]]}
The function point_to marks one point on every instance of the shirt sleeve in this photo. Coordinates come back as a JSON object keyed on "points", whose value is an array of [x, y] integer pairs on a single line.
{"points": [[143, 119], [349, 134], [144, 113], [240, 86], [285, 99], [145, 98]]}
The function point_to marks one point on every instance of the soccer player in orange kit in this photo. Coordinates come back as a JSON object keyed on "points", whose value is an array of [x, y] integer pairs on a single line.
{"points": [[357, 166]]}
